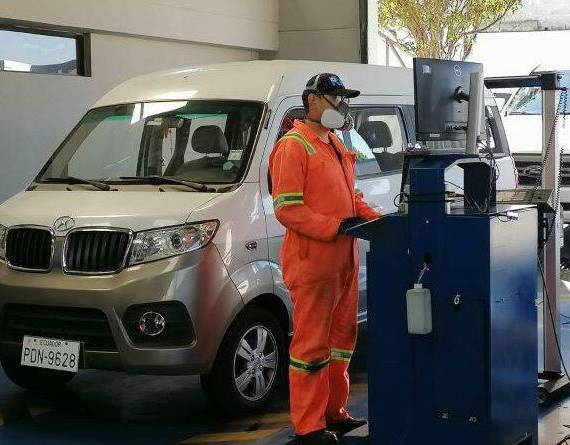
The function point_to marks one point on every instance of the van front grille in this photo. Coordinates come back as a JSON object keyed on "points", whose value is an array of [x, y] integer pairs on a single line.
{"points": [[63, 323], [29, 248], [96, 251]]}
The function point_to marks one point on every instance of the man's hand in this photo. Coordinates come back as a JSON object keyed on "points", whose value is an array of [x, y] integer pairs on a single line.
{"points": [[349, 223]]}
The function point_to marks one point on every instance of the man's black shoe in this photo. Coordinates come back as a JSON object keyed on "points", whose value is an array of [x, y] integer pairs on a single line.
{"points": [[321, 437], [341, 428]]}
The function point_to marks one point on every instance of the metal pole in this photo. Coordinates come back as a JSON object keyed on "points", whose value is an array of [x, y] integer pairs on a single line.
{"points": [[551, 258], [475, 112]]}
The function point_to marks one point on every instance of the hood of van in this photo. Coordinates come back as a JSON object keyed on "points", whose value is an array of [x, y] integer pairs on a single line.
{"points": [[125, 209], [524, 133]]}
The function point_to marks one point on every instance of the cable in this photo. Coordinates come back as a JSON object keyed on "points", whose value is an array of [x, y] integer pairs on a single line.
{"points": [[564, 440], [454, 185], [465, 198], [545, 292], [490, 156], [396, 198]]}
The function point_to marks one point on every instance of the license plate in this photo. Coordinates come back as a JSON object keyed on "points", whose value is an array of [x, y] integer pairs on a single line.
{"points": [[50, 353]]}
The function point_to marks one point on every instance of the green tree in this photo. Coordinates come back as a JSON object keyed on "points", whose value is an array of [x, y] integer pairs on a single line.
{"points": [[441, 29]]}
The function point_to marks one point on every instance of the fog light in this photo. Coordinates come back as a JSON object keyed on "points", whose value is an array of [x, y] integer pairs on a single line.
{"points": [[152, 324]]}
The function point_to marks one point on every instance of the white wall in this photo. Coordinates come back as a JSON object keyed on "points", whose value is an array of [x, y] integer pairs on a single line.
{"points": [[518, 53], [320, 30], [241, 23], [128, 38]]}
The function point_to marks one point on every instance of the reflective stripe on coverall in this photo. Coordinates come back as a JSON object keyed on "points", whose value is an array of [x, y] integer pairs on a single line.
{"points": [[312, 193]]}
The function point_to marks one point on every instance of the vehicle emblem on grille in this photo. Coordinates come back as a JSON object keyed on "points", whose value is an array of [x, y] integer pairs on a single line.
{"points": [[63, 223]]}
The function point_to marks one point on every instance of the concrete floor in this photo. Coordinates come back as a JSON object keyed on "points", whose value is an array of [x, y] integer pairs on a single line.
{"points": [[114, 408]]}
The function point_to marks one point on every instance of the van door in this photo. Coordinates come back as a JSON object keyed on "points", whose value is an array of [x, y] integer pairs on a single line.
{"points": [[288, 110], [379, 141]]}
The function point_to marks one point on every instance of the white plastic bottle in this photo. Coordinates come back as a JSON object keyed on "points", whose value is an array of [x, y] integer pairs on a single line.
{"points": [[418, 304]]}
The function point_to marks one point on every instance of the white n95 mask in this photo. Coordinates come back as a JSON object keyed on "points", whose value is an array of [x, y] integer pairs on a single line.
{"points": [[332, 119], [337, 118]]}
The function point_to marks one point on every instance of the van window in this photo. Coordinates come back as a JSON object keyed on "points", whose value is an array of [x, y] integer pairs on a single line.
{"points": [[374, 128], [496, 138], [528, 100], [366, 163], [201, 141], [378, 134], [198, 121], [100, 153], [287, 122]]}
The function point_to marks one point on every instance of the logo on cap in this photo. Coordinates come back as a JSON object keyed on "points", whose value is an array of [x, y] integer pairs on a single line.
{"points": [[335, 81]]}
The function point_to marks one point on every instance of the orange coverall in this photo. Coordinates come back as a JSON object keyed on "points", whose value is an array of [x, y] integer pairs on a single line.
{"points": [[312, 193]]}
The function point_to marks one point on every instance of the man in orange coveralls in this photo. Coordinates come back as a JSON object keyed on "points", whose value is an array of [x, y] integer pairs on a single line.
{"points": [[313, 182]]}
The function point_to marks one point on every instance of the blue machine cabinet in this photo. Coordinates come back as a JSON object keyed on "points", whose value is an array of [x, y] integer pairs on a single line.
{"points": [[473, 380]]}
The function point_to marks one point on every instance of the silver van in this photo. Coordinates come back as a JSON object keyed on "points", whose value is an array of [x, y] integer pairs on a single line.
{"points": [[148, 242]]}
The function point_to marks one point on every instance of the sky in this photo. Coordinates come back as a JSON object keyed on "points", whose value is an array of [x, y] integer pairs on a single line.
{"points": [[35, 49]]}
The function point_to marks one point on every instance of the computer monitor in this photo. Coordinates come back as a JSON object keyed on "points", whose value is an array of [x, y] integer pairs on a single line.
{"points": [[441, 92]]}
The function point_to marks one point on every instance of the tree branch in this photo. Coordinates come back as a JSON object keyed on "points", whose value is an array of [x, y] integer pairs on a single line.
{"points": [[497, 20]]}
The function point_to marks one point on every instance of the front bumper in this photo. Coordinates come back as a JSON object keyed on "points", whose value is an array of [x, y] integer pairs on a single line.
{"points": [[198, 280]]}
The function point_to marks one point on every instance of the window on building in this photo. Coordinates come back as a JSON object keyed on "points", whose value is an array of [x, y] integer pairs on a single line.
{"points": [[44, 52]]}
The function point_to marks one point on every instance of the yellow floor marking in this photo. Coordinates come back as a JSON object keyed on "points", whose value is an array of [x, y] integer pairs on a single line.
{"points": [[271, 418], [231, 437]]}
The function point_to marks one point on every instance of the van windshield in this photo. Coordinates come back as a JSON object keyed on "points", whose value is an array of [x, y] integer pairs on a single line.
{"points": [[528, 100], [202, 141]]}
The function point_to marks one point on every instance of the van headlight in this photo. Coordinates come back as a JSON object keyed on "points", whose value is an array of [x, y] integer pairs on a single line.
{"points": [[3, 233], [152, 245]]}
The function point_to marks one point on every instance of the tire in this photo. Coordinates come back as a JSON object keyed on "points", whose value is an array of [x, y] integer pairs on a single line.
{"points": [[36, 379], [245, 379]]}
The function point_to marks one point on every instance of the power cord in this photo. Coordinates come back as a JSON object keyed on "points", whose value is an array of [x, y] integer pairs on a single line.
{"points": [[545, 292], [564, 440]]}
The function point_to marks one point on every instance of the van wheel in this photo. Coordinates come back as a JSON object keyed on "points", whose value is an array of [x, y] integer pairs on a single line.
{"points": [[251, 364], [35, 378]]}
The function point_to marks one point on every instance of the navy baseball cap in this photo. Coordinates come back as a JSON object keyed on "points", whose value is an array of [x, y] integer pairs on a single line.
{"points": [[328, 83]]}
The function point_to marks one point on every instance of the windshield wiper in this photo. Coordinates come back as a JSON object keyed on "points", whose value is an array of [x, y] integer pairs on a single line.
{"points": [[76, 180], [158, 180]]}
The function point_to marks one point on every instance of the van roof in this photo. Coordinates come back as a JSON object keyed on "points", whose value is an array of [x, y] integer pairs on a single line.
{"points": [[256, 80]]}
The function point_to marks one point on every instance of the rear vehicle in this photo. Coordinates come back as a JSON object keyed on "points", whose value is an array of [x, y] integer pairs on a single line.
{"points": [[522, 117], [148, 242]]}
